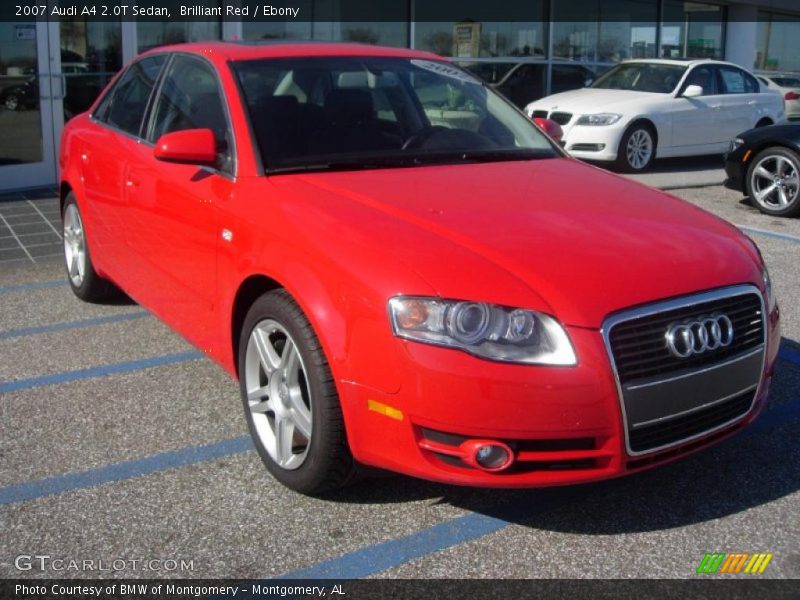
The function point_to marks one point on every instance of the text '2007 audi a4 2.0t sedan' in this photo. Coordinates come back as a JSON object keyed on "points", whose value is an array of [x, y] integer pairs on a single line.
{"points": [[403, 271]]}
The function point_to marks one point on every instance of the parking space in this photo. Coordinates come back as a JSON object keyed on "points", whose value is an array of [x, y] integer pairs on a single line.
{"points": [[120, 442]]}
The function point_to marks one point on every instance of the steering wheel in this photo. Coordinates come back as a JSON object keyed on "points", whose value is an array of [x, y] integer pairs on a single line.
{"points": [[415, 140]]}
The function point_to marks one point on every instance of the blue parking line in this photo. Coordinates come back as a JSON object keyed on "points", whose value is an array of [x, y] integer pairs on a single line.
{"points": [[156, 463], [78, 324], [392, 553], [38, 285], [101, 371], [773, 234]]}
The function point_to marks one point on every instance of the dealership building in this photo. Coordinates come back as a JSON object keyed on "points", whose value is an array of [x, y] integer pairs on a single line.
{"points": [[51, 70]]}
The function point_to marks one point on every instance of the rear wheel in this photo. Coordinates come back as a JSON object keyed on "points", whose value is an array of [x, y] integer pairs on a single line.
{"points": [[83, 279], [773, 182], [290, 399], [637, 149]]}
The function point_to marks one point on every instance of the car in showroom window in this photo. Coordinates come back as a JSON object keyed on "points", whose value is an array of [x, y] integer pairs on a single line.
{"points": [[402, 271], [643, 109]]}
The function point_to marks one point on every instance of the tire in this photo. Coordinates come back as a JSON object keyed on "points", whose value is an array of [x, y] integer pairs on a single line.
{"points": [[290, 401], [83, 279], [12, 103], [637, 148], [773, 182]]}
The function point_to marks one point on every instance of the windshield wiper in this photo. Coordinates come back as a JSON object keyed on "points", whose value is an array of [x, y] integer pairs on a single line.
{"points": [[415, 160]]}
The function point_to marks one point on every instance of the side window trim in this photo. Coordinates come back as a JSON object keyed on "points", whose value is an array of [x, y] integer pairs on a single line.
{"points": [[151, 109]]}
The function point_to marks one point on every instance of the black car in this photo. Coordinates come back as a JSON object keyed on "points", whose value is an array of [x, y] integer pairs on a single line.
{"points": [[764, 163], [23, 96]]}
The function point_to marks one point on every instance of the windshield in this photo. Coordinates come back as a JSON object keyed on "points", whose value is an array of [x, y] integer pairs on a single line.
{"points": [[349, 113], [641, 77]]}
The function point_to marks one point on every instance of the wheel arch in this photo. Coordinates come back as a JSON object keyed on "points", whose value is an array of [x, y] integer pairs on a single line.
{"points": [[642, 120], [252, 288]]}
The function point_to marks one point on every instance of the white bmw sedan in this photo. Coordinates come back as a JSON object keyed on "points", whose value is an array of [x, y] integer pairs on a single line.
{"points": [[646, 108]]}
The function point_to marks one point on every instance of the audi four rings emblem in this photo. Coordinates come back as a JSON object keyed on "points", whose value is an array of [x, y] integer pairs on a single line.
{"points": [[698, 336]]}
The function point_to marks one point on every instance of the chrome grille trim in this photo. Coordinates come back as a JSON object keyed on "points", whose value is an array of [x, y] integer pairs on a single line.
{"points": [[677, 303]]}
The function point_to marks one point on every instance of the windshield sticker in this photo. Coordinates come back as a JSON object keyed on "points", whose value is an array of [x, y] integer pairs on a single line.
{"points": [[444, 70]]}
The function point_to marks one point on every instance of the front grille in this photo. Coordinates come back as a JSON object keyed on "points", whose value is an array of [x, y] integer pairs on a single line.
{"points": [[680, 428], [639, 344], [562, 118], [539, 114]]}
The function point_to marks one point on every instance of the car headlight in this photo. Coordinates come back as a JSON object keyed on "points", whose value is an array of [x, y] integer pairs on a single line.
{"points": [[772, 301], [735, 144], [599, 119], [485, 330]]}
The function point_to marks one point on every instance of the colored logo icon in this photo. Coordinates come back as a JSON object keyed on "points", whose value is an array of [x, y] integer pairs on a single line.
{"points": [[737, 562]]}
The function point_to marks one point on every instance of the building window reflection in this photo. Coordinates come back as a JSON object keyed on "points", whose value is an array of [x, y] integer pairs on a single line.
{"points": [[692, 30], [776, 49]]}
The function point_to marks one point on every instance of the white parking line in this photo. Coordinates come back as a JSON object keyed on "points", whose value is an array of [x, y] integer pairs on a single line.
{"points": [[46, 220], [21, 245]]}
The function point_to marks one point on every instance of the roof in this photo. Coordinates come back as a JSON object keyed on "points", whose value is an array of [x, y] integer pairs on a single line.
{"points": [[278, 49], [683, 62]]}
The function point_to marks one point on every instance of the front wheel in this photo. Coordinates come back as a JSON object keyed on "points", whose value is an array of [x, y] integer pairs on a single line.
{"points": [[290, 399], [637, 149], [773, 182]]}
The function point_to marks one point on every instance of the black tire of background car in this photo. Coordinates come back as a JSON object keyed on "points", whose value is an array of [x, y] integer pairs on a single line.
{"points": [[622, 163], [329, 464], [793, 209], [93, 288]]}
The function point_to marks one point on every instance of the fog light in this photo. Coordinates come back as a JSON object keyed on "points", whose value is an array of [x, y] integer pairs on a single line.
{"points": [[488, 455]]}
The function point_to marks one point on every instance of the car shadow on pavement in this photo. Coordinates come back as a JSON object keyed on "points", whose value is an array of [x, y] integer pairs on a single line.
{"points": [[757, 466], [679, 165]]}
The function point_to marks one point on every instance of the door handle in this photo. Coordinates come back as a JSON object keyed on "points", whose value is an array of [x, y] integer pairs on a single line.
{"points": [[63, 83]]}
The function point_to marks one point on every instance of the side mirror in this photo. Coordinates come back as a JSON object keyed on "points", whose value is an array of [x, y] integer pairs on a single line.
{"points": [[550, 127], [692, 91], [190, 146]]}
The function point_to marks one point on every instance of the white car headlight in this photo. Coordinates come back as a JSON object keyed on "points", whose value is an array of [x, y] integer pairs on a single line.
{"points": [[599, 119], [485, 330]]}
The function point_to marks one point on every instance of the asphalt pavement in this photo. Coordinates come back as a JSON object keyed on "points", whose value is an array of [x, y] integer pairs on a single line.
{"points": [[120, 443]]}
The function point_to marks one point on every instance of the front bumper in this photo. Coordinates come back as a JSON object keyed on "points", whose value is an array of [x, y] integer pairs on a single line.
{"points": [[593, 142], [735, 169], [564, 424]]}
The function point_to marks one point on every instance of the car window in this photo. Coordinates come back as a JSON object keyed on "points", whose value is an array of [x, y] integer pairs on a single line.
{"points": [[641, 77], [356, 112], [734, 81], [787, 81], [705, 77], [127, 102], [189, 98]]}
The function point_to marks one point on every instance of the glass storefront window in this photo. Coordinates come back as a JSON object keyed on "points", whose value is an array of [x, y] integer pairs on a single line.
{"points": [[521, 82], [91, 53], [333, 20], [20, 116], [598, 31], [777, 42], [150, 34], [467, 36], [692, 30]]}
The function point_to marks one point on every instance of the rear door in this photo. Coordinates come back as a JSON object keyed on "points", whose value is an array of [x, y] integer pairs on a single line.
{"points": [[740, 101], [175, 206], [106, 148]]}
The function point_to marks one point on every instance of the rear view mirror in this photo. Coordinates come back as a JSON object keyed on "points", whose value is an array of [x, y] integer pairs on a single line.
{"points": [[550, 127], [692, 91], [190, 146]]}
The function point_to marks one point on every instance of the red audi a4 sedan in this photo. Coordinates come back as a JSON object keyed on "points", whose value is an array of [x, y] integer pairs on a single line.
{"points": [[402, 271]]}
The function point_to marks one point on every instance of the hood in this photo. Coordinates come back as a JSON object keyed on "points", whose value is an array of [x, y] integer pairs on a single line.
{"points": [[588, 100], [576, 241]]}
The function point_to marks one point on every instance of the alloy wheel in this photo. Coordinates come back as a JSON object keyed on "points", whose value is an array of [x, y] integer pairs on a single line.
{"points": [[639, 149], [278, 395], [74, 245], [775, 182]]}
